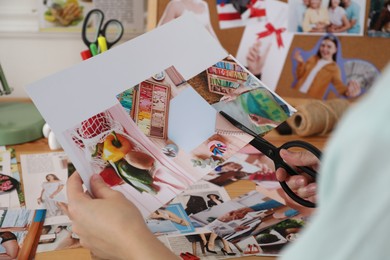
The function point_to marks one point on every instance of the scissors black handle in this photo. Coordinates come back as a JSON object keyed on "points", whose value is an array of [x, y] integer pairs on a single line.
{"points": [[272, 152], [118, 31], [279, 163], [111, 27], [98, 15]]}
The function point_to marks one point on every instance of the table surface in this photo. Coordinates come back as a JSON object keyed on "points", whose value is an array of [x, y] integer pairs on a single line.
{"points": [[234, 190]]}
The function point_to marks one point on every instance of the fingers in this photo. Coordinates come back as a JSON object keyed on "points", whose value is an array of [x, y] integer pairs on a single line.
{"points": [[298, 56], [298, 158], [75, 187], [297, 182], [64, 207], [99, 188], [309, 191], [281, 174], [253, 53], [353, 89]]}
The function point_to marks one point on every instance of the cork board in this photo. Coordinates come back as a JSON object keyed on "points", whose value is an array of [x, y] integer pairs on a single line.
{"points": [[370, 49]]}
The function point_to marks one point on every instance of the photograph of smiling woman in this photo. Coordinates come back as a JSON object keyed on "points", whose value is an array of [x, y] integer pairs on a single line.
{"points": [[314, 75]]}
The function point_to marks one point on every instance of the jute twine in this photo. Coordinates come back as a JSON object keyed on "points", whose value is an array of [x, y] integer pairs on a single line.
{"points": [[317, 117]]}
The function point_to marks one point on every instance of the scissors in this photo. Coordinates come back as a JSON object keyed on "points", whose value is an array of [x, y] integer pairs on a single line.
{"points": [[103, 30], [272, 152]]}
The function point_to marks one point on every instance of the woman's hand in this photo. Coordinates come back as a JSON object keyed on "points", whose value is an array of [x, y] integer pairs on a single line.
{"points": [[298, 56], [353, 89], [108, 224], [302, 185], [39, 200], [255, 60]]}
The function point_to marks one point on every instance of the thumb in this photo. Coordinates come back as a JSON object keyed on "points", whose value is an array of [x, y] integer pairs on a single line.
{"points": [[99, 188]]}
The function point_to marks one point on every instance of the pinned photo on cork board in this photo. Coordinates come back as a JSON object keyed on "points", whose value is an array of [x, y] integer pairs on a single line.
{"points": [[264, 44], [344, 17], [378, 23], [229, 38], [236, 13], [323, 71]]}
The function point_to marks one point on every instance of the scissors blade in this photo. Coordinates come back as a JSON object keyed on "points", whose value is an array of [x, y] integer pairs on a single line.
{"points": [[258, 142], [238, 124]]}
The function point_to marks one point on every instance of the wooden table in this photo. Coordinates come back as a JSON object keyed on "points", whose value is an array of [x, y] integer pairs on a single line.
{"points": [[234, 190]]}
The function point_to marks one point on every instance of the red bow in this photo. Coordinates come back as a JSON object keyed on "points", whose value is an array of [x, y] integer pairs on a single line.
{"points": [[255, 12], [270, 30]]}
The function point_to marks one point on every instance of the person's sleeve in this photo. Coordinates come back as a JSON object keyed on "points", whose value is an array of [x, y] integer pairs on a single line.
{"points": [[306, 27], [300, 69], [341, 88], [301, 66], [326, 16], [351, 221], [355, 13]]}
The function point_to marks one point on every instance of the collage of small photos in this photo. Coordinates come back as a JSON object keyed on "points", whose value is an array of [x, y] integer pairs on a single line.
{"points": [[180, 173], [174, 175], [177, 176], [286, 38], [289, 38]]}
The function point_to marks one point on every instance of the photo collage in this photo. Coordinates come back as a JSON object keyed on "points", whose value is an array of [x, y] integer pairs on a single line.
{"points": [[159, 135], [146, 147]]}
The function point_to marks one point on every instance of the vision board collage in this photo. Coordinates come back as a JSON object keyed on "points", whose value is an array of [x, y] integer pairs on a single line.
{"points": [[313, 44], [174, 167]]}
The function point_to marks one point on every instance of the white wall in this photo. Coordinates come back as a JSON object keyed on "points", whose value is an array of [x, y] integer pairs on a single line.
{"points": [[28, 57]]}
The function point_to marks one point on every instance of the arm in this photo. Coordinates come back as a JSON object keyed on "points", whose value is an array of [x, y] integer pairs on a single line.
{"points": [[301, 64], [127, 236], [13, 229], [173, 217], [325, 17], [352, 22], [351, 90], [11, 250], [39, 200], [306, 26], [345, 26], [256, 60], [354, 16], [169, 14], [58, 190]]}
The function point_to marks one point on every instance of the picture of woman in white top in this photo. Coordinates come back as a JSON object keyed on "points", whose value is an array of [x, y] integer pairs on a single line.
{"points": [[337, 17], [51, 194]]}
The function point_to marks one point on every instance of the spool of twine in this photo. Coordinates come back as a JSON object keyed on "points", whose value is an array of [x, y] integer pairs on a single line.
{"points": [[317, 117]]}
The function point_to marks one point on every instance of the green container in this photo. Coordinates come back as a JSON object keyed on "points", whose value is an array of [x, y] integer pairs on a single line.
{"points": [[20, 122]]}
